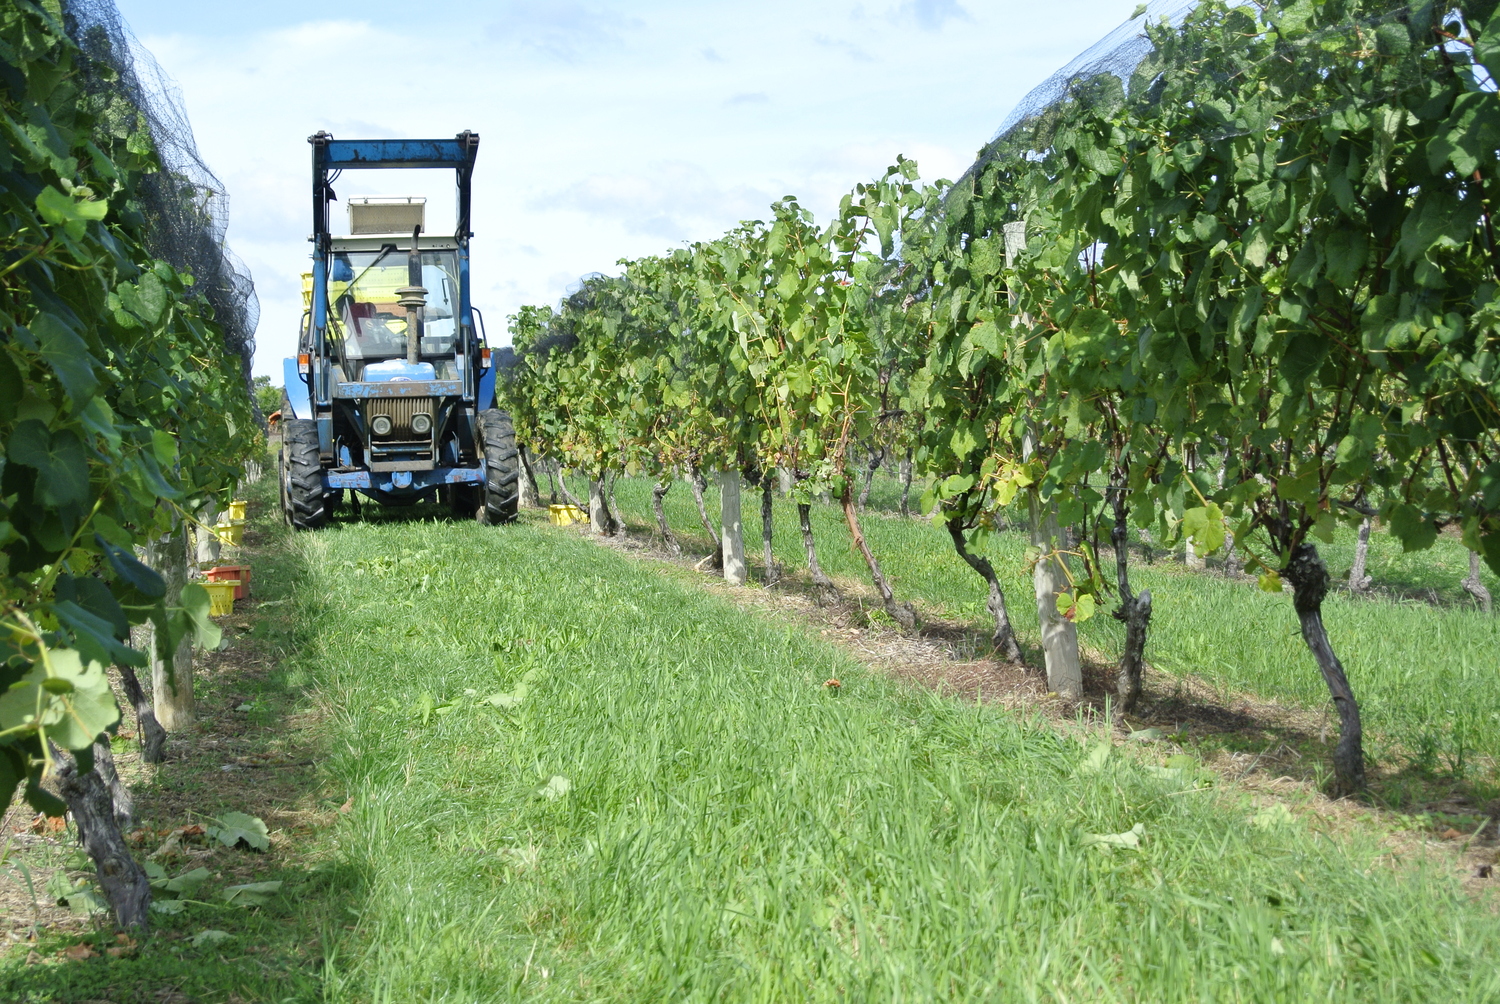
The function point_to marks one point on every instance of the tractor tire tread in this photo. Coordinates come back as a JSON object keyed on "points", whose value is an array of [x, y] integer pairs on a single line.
{"points": [[307, 506], [502, 465]]}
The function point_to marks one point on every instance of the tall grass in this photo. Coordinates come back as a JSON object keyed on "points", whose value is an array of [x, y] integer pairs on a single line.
{"points": [[1427, 677], [730, 829]]}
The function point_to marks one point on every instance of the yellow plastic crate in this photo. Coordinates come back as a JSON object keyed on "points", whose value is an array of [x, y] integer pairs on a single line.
{"points": [[237, 510], [230, 533], [563, 515], [221, 596]]}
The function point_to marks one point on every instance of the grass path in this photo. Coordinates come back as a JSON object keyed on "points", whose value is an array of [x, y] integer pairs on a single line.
{"points": [[546, 771], [668, 804]]}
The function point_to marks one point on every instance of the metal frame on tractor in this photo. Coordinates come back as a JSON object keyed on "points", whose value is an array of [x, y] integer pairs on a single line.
{"points": [[405, 435]]}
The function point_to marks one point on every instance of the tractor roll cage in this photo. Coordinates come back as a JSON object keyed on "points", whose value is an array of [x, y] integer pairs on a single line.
{"points": [[331, 156]]}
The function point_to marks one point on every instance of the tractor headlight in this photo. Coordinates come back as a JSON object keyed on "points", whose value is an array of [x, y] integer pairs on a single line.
{"points": [[421, 424], [381, 425]]}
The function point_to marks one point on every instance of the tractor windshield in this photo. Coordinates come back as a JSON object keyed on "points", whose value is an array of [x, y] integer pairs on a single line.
{"points": [[368, 324]]}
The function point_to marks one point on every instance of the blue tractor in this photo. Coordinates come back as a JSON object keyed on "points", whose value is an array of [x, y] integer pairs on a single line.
{"points": [[391, 395]]}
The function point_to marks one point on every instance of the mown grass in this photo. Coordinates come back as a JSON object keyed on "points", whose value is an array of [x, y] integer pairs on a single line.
{"points": [[730, 829], [1427, 676]]}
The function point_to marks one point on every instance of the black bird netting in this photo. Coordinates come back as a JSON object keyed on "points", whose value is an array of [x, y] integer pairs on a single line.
{"points": [[185, 206]]}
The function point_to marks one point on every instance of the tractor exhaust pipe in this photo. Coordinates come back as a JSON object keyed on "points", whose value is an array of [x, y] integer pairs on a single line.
{"points": [[413, 297]]}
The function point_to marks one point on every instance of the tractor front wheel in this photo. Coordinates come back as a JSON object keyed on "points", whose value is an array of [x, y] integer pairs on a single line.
{"points": [[497, 437], [302, 475]]}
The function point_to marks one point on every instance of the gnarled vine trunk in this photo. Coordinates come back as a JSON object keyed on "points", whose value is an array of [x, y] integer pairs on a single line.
{"points": [[698, 483], [1359, 582], [562, 488], [1474, 585], [658, 493], [824, 591], [901, 613], [1308, 575], [153, 737], [531, 496], [767, 526], [124, 883], [547, 466], [1134, 612], [601, 520], [1004, 637], [877, 457]]}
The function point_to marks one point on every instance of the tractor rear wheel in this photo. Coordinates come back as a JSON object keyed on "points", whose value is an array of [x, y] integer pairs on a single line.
{"points": [[497, 438], [302, 475]]}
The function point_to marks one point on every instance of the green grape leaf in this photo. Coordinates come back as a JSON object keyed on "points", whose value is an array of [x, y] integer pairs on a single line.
{"points": [[131, 572], [1411, 526], [192, 619], [73, 719], [59, 459], [1204, 526]]}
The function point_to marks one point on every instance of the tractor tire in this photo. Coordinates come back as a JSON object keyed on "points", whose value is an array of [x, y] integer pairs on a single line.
{"points": [[306, 506], [502, 466]]}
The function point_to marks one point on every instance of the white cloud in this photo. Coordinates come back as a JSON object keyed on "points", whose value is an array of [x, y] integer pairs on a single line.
{"points": [[564, 31], [845, 46], [932, 14], [675, 202]]}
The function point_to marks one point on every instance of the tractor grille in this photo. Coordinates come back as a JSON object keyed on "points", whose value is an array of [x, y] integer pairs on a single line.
{"points": [[401, 411]]}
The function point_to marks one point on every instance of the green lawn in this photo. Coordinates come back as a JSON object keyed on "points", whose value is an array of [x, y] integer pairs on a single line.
{"points": [[674, 807], [1427, 677], [578, 776]]}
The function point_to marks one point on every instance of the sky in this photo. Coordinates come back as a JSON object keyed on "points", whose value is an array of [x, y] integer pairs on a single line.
{"points": [[608, 130]]}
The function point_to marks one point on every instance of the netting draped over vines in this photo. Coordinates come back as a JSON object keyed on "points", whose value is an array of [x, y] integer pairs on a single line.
{"points": [[185, 206], [1129, 62]]}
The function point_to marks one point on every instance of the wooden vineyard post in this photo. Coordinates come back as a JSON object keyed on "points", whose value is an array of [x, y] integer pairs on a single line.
{"points": [[1049, 578], [732, 534], [208, 541], [172, 678]]}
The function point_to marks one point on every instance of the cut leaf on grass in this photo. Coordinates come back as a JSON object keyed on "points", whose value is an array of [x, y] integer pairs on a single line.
{"points": [[237, 826], [251, 893], [188, 882], [1097, 758], [1182, 768], [210, 937], [1129, 840], [171, 907], [80, 896], [1146, 735], [510, 700], [1272, 817], [556, 787]]}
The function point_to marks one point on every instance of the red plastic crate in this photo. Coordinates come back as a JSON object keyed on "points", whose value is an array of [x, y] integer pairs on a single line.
{"points": [[228, 573]]}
